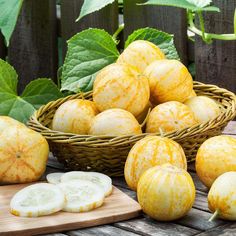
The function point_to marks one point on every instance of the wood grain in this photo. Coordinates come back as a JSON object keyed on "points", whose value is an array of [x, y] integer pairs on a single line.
{"points": [[106, 18], [198, 184], [168, 19], [201, 201], [147, 226], [230, 128], [117, 207], [225, 230], [193, 224], [33, 46], [215, 63], [199, 220], [106, 230]]}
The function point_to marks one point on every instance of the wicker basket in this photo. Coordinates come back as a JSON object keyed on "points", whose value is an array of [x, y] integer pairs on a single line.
{"points": [[108, 154]]}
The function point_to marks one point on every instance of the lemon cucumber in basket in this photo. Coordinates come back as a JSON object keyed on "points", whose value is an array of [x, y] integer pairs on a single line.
{"points": [[139, 54]]}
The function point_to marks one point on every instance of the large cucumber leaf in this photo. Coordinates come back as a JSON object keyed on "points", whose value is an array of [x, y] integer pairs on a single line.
{"points": [[90, 6], [9, 11], [88, 52], [193, 5], [163, 40], [36, 93]]}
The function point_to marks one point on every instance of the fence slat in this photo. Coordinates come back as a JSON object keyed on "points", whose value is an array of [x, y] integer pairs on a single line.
{"points": [[168, 19], [33, 47], [216, 63], [107, 19], [3, 50]]}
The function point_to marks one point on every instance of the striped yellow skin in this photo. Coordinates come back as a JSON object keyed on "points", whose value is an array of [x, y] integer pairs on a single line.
{"points": [[117, 86], [222, 196], [74, 116], [6, 121], [169, 80], [170, 116], [192, 95], [115, 122], [23, 155], [139, 54], [215, 156], [151, 151], [166, 192], [204, 108]]}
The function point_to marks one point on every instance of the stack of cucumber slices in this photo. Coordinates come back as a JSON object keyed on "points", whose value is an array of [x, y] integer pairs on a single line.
{"points": [[74, 191]]}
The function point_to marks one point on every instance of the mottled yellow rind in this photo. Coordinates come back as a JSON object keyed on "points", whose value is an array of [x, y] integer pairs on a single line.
{"points": [[23, 155], [115, 122], [170, 116], [151, 151], [169, 80], [222, 196], [74, 116], [204, 108], [139, 54], [215, 156], [117, 86], [6, 121], [166, 192]]}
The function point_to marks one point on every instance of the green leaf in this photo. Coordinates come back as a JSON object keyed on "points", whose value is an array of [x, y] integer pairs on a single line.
{"points": [[200, 3], [92, 6], [36, 93], [88, 52], [163, 40], [193, 5], [9, 11], [41, 91]]}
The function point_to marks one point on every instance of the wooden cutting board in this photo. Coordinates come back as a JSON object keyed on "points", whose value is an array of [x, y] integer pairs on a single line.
{"points": [[117, 207]]}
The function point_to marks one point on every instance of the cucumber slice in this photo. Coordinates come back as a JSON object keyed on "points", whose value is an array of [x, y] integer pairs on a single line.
{"points": [[99, 179], [81, 195], [37, 200], [54, 178]]}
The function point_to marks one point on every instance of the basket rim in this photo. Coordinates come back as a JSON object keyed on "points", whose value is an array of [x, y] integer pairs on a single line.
{"points": [[102, 140]]}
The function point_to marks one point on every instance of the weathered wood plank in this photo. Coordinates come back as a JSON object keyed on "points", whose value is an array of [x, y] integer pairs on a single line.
{"points": [[33, 46], [230, 128], [191, 51], [147, 226], [199, 220], [119, 182], [198, 184], [59, 234], [215, 63], [129, 192], [105, 230], [224, 230], [201, 201], [106, 18], [53, 162], [168, 19]]}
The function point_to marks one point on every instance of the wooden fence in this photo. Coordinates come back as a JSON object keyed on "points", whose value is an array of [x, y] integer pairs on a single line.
{"points": [[33, 49]]}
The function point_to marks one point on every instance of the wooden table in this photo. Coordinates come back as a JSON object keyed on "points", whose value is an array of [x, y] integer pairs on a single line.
{"points": [[195, 223]]}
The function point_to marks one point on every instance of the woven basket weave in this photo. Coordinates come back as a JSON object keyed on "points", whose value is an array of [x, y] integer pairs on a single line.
{"points": [[108, 154]]}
